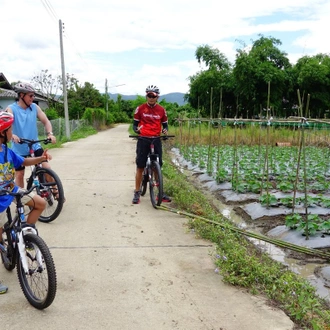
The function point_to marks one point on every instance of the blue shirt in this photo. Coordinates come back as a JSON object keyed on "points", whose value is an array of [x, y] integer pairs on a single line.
{"points": [[25, 126], [7, 175]]}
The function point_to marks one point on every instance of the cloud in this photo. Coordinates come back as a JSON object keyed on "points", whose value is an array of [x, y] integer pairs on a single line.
{"points": [[139, 43]]}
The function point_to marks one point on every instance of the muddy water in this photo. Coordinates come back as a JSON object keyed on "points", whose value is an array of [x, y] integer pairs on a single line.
{"points": [[306, 270]]}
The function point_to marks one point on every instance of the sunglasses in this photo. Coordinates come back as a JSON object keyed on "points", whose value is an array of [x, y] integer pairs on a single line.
{"points": [[31, 96], [151, 96]]}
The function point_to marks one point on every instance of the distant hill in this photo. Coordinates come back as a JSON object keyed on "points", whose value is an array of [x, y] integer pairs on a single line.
{"points": [[171, 97]]}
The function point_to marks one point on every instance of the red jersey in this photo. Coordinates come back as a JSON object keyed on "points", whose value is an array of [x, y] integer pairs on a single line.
{"points": [[150, 118]]}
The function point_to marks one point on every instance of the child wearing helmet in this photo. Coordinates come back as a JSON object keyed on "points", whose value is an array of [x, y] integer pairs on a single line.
{"points": [[8, 161]]}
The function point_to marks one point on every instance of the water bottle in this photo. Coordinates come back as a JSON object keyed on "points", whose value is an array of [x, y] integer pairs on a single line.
{"points": [[36, 181]]}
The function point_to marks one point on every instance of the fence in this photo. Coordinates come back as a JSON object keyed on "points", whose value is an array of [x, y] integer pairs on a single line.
{"points": [[59, 126]]}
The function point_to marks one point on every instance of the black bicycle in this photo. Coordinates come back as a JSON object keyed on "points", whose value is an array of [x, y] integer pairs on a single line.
{"points": [[21, 247], [152, 172], [48, 185]]}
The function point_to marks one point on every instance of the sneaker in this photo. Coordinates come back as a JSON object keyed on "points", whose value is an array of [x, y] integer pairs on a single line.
{"points": [[136, 198], [166, 199], [3, 288]]}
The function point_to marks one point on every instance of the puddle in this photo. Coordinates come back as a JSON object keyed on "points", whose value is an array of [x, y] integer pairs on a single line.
{"points": [[317, 274]]}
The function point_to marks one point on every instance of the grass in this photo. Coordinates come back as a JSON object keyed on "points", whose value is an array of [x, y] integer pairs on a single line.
{"points": [[80, 133], [240, 263]]}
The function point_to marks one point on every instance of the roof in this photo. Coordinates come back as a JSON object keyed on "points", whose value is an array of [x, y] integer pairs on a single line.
{"points": [[7, 90], [4, 83]]}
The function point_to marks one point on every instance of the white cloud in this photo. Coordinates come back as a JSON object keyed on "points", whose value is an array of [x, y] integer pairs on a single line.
{"points": [[105, 38]]}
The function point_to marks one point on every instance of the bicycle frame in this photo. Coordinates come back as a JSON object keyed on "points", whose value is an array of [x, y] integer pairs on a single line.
{"points": [[48, 184], [17, 226]]}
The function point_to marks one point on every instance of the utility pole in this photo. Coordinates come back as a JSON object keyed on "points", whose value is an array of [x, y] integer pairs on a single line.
{"points": [[65, 95]]}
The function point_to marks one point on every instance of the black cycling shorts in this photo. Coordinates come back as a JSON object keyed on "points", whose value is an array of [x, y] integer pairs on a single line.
{"points": [[143, 149], [37, 153]]}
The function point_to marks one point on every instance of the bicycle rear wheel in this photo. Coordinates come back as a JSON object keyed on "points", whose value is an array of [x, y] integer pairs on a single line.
{"points": [[51, 189], [9, 254], [40, 284], [156, 184]]}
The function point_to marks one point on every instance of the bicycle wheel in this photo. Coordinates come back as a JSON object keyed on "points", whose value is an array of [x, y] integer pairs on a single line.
{"points": [[51, 189], [9, 254], [40, 284], [156, 184], [143, 186]]}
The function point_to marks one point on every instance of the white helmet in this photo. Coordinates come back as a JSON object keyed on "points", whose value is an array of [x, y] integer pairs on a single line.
{"points": [[24, 88], [152, 89]]}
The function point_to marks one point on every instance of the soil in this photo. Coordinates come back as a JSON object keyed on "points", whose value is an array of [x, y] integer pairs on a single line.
{"points": [[262, 224]]}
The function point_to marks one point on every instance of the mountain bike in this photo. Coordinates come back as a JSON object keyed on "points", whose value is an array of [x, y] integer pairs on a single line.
{"points": [[152, 172], [48, 185], [21, 247]]}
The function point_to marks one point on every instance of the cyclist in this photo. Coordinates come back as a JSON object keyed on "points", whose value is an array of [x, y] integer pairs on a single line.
{"points": [[26, 114], [8, 161], [150, 120]]}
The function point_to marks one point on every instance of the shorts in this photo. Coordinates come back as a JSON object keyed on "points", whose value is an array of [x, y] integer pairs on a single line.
{"points": [[143, 149], [25, 199], [37, 153]]}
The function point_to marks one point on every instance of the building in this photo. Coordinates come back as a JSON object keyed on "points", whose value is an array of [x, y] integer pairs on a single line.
{"points": [[8, 95]]}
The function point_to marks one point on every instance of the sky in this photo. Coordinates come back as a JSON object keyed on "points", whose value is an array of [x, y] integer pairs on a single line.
{"points": [[132, 44]]}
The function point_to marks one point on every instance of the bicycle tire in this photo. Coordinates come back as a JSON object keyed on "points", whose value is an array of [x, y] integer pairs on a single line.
{"points": [[144, 182], [40, 285], [47, 191], [156, 184], [9, 256]]}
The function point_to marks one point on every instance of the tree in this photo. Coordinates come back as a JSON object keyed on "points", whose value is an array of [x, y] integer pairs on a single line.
{"points": [[206, 86], [265, 64], [52, 88], [82, 97], [312, 74]]}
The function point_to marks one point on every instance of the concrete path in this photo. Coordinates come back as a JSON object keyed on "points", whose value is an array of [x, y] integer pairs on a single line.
{"points": [[124, 266]]}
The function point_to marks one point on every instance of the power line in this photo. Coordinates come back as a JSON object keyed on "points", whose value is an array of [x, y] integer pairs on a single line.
{"points": [[49, 9]]}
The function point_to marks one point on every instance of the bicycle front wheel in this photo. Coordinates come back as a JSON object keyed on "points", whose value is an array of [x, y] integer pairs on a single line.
{"points": [[156, 184], [51, 189], [143, 186], [39, 284]]}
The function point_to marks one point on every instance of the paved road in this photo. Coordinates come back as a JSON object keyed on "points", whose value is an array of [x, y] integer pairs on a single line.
{"points": [[123, 266]]}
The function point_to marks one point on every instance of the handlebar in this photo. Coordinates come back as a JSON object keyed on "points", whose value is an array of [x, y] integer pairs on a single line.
{"points": [[20, 193], [163, 137], [31, 142]]}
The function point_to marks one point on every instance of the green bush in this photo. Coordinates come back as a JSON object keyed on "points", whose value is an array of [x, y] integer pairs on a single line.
{"points": [[51, 113]]}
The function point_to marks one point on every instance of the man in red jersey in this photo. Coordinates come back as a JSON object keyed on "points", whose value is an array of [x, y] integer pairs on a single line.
{"points": [[150, 120]]}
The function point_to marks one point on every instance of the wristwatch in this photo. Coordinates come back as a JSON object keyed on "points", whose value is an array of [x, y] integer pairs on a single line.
{"points": [[50, 133]]}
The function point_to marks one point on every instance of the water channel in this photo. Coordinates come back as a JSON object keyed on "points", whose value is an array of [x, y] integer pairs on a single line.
{"points": [[317, 274]]}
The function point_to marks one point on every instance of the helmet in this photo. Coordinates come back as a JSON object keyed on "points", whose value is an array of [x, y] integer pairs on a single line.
{"points": [[24, 88], [6, 120], [152, 89]]}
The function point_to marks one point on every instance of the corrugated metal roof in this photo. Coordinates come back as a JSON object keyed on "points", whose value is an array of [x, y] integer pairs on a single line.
{"points": [[6, 93]]}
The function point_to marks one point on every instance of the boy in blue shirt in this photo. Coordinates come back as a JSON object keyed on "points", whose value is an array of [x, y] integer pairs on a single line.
{"points": [[9, 160]]}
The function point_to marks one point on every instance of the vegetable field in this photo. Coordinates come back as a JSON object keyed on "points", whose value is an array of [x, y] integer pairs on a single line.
{"points": [[284, 167]]}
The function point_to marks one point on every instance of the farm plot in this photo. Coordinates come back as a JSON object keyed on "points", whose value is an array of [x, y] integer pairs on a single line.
{"points": [[271, 186]]}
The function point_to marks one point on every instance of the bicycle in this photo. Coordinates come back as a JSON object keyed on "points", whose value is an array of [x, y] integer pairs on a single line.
{"points": [[152, 172], [21, 247], [48, 185]]}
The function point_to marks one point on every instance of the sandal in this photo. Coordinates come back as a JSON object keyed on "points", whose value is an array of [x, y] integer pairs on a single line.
{"points": [[56, 195]]}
